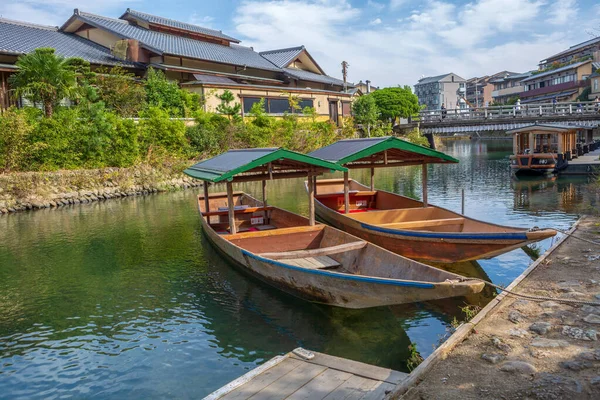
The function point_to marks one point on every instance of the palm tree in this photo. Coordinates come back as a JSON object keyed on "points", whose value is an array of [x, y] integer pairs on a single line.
{"points": [[45, 77]]}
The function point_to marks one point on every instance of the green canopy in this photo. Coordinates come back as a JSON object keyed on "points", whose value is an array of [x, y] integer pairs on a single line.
{"points": [[364, 153], [259, 164]]}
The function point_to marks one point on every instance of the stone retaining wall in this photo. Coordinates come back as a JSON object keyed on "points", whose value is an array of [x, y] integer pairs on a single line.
{"points": [[37, 190]]}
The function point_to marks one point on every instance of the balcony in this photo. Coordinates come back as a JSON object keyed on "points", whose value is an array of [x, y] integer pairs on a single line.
{"points": [[507, 91], [555, 88]]}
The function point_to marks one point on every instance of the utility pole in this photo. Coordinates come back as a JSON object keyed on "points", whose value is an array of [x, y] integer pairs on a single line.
{"points": [[345, 66], [476, 93]]}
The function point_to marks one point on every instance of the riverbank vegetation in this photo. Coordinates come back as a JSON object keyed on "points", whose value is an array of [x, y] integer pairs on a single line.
{"points": [[75, 118]]}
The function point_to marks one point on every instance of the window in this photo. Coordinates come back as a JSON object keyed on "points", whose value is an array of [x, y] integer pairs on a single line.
{"points": [[345, 108], [249, 102], [278, 106], [275, 106], [596, 84]]}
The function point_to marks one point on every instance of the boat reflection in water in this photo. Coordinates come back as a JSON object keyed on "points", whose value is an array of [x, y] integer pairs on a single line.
{"points": [[568, 194], [374, 336]]}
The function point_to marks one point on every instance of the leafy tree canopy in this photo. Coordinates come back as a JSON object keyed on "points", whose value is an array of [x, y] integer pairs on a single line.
{"points": [[45, 77], [396, 102], [365, 110]]}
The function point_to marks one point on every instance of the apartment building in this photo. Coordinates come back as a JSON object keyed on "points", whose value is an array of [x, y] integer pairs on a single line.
{"points": [[594, 85], [479, 90], [448, 89], [202, 60], [563, 84], [590, 49], [508, 87]]}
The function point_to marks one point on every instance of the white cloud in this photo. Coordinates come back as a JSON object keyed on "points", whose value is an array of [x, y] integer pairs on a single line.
{"points": [[562, 12], [373, 5], [396, 4], [474, 39], [376, 21], [205, 21], [56, 12]]}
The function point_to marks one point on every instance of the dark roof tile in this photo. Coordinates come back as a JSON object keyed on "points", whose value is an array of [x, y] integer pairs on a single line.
{"points": [[21, 38], [154, 19]]}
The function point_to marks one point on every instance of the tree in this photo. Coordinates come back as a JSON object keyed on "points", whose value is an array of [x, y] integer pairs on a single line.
{"points": [[396, 102], [166, 94], [225, 108], [44, 77], [120, 91], [365, 112]]}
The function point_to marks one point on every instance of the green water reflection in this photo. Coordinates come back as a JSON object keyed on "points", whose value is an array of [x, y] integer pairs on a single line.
{"points": [[127, 299]]}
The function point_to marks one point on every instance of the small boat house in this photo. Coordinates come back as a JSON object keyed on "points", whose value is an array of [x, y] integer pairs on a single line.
{"points": [[540, 149]]}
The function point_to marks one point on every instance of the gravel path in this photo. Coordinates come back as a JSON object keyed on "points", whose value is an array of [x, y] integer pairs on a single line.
{"points": [[531, 350]]}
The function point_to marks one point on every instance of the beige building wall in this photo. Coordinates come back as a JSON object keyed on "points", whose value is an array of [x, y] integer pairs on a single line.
{"points": [[101, 37]]}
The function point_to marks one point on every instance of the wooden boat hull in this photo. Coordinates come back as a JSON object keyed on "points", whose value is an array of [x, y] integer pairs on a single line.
{"points": [[433, 244], [533, 164], [331, 287]]}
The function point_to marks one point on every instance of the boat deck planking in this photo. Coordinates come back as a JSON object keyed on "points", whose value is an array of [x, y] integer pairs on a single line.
{"points": [[323, 377]]}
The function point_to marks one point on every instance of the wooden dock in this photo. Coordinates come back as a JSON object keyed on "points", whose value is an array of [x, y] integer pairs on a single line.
{"points": [[303, 374], [586, 164]]}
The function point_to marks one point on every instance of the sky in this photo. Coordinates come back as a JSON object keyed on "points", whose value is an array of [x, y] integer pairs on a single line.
{"points": [[390, 42]]}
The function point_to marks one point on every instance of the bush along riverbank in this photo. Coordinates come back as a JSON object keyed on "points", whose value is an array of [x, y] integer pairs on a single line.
{"points": [[38, 190]]}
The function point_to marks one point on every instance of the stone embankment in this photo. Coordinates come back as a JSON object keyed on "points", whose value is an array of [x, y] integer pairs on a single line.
{"points": [[38, 190], [526, 349]]}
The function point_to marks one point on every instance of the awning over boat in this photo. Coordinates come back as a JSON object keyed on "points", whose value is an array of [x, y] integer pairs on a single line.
{"points": [[388, 150], [259, 164], [552, 128]]}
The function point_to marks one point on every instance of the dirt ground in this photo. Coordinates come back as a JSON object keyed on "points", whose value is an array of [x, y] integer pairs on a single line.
{"points": [[527, 349]]}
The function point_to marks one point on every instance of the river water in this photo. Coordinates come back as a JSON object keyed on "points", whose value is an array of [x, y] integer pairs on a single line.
{"points": [[126, 299]]}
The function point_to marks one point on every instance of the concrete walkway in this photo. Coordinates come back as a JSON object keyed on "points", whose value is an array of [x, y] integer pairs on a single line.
{"points": [[530, 350]]}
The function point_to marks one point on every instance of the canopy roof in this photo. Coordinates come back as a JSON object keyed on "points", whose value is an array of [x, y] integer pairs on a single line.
{"points": [[551, 128], [389, 150], [259, 164]]}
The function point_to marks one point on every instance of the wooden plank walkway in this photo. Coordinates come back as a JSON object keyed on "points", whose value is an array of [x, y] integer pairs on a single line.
{"points": [[303, 374]]}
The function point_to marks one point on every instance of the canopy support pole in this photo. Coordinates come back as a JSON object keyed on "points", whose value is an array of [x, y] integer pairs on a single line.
{"points": [[206, 201], [231, 207], [346, 194], [424, 170], [311, 200], [264, 200], [372, 179], [315, 183]]}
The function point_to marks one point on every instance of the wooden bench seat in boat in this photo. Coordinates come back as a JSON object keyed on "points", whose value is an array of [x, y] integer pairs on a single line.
{"points": [[424, 223], [247, 210], [351, 193], [321, 251], [318, 262]]}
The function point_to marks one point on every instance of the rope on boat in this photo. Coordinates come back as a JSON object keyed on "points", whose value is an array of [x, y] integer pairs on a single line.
{"points": [[535, 228], [543, 298], [538, 298]]}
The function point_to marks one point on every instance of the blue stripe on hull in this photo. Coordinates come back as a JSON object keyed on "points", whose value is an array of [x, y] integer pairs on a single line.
{"points": [[435, 235], [341, 276]]}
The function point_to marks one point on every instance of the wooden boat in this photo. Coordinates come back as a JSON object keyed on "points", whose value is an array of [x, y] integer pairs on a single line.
{"points": [[409, 227], [293, 253], [544, 149]]}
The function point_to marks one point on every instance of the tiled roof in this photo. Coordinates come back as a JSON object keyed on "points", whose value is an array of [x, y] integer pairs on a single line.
{"points": [[282, 57], [201, 78], [554, 71], [20, 38], [438, 78], [163, 43], [311, 76], [576, 47], [154, 19]]}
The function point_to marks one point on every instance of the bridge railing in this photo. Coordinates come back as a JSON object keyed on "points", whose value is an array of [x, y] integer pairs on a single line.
{"points": [[510, 111]]}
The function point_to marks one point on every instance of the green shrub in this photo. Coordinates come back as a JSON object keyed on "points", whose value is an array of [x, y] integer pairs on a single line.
{"points": [[56, 141], [158, 132], [166, 94], [15, 129]]}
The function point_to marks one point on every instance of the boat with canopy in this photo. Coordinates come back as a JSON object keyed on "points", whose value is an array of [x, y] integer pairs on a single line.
{"points": [[293, 253], [412, 228]]}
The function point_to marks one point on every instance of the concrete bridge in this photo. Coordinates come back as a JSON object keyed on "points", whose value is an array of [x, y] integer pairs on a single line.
{"points": [[488, 120]]}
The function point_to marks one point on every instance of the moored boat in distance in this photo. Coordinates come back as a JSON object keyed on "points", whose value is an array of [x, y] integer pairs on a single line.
{"points": [[312, 261], [412, 228], [544, 149]]}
